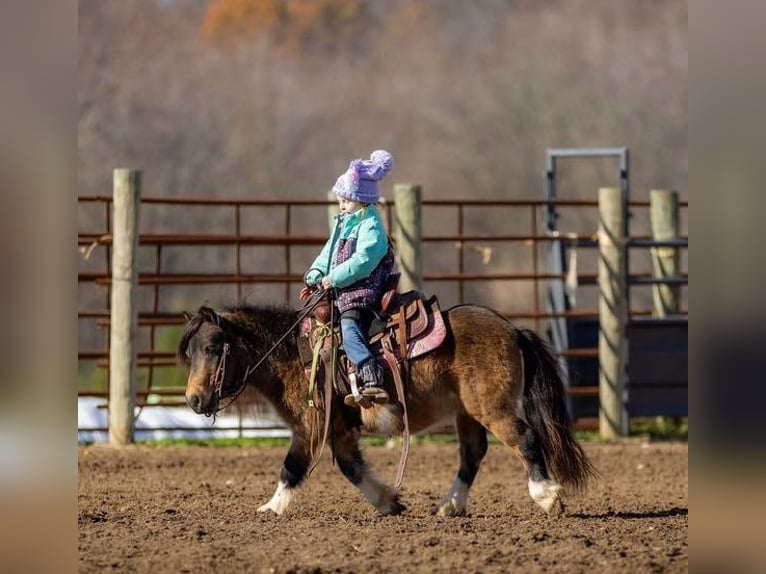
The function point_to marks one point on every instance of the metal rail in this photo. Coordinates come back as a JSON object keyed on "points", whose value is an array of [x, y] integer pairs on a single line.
{"points": [[159, 279]]}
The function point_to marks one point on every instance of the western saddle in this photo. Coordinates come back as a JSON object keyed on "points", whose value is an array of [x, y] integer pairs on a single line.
{"points": [[405, 326]]}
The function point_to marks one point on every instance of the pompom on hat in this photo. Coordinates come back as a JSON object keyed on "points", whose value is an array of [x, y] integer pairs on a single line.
{"points": [[360, 181]]}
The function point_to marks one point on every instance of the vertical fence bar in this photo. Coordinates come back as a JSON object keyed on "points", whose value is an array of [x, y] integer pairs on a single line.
{"points": [[460, 255], [535, 267], [238, 252], [408, 207], [124, 314], [663, 211], [612, 285], [155, 308], [108, 297], [288, 264]]}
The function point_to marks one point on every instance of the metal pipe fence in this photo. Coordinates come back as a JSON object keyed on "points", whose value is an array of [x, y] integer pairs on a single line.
{"points": [[161, 281]]}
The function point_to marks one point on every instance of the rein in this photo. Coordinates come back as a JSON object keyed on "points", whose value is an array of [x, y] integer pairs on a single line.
{"points": [[220, 373]]}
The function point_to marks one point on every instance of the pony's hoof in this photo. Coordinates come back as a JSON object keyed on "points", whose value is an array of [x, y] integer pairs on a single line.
{"points": [[267, 508], [448, 510], [545, 493], [393, 509], [557, 508]]}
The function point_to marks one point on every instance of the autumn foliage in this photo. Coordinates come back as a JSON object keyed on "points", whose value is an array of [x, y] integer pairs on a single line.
{"points": [[291, 24]]}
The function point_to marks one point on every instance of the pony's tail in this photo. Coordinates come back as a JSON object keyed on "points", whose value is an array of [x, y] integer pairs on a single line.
{"points": [[545, 411]]}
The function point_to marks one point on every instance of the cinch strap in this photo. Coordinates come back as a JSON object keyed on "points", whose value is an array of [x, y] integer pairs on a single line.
{"points": [[321, 333]]}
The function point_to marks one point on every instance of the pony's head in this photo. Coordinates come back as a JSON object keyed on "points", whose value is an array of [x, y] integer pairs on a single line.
{"points": [[211, 347]]}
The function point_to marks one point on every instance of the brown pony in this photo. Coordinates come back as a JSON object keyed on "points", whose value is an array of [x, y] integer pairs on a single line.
{"points": [[487, 376]]}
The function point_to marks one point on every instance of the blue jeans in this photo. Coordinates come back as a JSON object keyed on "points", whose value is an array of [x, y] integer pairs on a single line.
{"points": [[354, 341]]}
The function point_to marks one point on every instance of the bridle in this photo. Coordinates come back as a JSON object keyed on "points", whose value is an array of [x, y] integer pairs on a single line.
{"points": [[219, 376], [217, 379]]}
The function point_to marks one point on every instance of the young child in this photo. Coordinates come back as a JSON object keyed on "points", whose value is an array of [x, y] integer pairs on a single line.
{"points": [[356, 262]]}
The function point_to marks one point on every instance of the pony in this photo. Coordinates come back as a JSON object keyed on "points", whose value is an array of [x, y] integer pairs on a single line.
{"points": [[487, 376]]}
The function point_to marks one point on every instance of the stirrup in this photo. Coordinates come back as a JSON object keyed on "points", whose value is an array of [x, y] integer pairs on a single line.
{"points": [[351, 401], [355, 398], [375, 394]]}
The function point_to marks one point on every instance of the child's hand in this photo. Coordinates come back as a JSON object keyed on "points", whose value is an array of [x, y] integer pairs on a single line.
{"points": [[305, 293], [326, 283]]}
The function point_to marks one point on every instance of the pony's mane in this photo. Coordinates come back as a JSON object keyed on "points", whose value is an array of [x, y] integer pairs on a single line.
{"points": [[260, 323]]}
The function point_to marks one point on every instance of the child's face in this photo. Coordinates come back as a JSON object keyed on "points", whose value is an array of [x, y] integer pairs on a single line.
{"points": [[348, 206]]}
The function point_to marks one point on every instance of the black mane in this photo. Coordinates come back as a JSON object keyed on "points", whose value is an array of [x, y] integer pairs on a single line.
{"points": [[260, 324]]}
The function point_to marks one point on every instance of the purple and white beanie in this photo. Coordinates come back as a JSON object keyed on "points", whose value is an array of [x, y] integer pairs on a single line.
{"points": [[360, 181]]}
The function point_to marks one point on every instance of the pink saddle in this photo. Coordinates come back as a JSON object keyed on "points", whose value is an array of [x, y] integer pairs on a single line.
{"points": [[424, 328]]}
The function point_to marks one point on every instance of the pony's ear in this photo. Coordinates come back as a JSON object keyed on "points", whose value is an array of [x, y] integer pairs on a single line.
{"points": [[187, 316], [209, 315]]}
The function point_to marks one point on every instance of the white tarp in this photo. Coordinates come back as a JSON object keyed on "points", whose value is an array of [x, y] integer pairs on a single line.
{"points": [[92, 414]]}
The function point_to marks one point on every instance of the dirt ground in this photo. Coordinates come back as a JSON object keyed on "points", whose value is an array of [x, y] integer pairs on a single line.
{"points": [[193, 509]]}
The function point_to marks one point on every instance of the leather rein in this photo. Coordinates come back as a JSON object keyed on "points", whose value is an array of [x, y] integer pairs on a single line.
{"points": [[219, 376]]}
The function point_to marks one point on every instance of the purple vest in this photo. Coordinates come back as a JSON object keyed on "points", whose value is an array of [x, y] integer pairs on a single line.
{"points": [[365, 293]]}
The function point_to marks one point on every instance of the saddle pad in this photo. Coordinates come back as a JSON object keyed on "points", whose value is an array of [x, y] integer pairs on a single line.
{"points": [[426, 329], [432, 336]]}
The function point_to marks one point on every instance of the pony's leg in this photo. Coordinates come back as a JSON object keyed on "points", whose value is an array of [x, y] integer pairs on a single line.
{"points": [[292, 474], [355, 468], [524, 442], [473, 446], [543, 490]]}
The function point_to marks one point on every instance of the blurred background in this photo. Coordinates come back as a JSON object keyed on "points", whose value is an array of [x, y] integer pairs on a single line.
{"points": [[274, 97]]}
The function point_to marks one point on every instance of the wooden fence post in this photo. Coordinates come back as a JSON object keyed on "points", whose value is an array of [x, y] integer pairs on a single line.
{"points": [[664, 213], [124, 315], [407, 212], [612, 284]]}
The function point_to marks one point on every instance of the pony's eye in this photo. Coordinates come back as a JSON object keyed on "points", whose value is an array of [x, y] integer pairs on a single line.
{"points": [[211, 349]]}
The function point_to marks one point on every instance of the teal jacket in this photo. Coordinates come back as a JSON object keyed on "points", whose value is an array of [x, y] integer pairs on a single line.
{"points": [[364, 225]]}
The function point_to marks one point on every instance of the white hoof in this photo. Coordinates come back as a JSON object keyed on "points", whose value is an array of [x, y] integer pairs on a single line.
{"points": [[546, 494], [450, 510], [454, 503], [281, 500], [266, 508]]}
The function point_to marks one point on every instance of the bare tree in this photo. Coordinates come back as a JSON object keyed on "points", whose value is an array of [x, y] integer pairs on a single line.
{"points": [[466, 95]]}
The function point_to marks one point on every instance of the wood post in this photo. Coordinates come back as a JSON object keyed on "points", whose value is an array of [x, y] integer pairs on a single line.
{"points": [[407, 212], [124, 315], [663, 209], [612, 284]]}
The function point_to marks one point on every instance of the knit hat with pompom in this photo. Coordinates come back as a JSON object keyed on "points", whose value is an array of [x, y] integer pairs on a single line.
{"points": [[360, 181]]}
